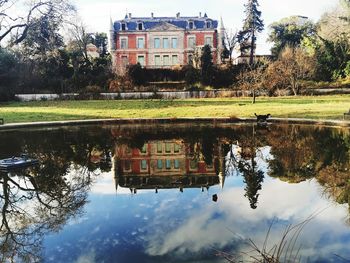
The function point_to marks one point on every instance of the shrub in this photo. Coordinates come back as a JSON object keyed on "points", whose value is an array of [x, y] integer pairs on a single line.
{"points": [[136, 74], [91, 92], [6, 94], [192, 75]]}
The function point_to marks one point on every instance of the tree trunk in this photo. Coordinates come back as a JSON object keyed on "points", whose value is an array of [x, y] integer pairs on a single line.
{"points": [[254, 97]]}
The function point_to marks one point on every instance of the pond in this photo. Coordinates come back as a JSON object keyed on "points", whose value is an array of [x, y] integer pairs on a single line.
{"points": [[176, 193]]}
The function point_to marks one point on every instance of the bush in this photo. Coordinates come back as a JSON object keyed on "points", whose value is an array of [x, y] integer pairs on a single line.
{"points": [[192, 75], [6, 95], [92, 92], [137, 75]]}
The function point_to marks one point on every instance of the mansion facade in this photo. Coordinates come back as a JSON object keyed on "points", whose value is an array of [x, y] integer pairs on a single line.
{"points": [[163, 42]]}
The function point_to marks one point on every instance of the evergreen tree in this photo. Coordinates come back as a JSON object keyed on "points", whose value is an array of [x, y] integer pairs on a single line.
{"points": [[206, 66], [253, 24]]}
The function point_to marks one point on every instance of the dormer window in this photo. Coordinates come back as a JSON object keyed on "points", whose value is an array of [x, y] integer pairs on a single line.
{"points": [[190, 25], [208, 24], [140, 26], [123, 26]]}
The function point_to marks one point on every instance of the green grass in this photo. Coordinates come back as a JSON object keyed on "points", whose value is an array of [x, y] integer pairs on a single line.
{"points": [[321, 107]]}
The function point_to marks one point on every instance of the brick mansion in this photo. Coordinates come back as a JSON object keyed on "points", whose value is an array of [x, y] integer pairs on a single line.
{"points": [[163, 42]]}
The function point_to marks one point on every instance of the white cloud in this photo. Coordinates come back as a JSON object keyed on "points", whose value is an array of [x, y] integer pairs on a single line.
{"points": [[220, 226]]}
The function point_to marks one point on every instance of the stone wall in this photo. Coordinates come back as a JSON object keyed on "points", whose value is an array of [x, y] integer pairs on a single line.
{"points": [[141, 95]]}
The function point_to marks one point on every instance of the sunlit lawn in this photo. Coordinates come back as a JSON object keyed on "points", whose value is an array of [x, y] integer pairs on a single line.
{"points": [[322, 107]]}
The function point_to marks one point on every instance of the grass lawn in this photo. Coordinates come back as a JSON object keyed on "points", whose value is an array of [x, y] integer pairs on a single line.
{"points": [[320, 107]]}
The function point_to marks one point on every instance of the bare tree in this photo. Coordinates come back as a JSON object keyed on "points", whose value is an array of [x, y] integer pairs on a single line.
{"points": [[293, 66], [79, 37], [335, 23], [230, 41], [18, 16], [253, 78]]}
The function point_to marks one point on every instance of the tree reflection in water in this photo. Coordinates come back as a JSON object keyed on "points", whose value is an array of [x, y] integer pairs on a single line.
{"points": [[242, 158], [32, 205], [40, 200]]}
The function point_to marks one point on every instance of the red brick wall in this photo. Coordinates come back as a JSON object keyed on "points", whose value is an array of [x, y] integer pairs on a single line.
{"points": [[200, 39]]}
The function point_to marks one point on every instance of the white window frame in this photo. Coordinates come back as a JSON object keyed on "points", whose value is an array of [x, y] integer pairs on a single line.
{"points": [[121, 26], [190, 59], [168, 64], [177, 42], [122, 60], [144, 59], [208, 22], [188, 41], [155, 60], [165, 40], [121, 40], [172, 59], [137, 42], [154, 42], [211, 40]]}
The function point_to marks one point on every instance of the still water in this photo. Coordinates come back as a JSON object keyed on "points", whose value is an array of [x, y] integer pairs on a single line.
{"points": [[176, 193]]}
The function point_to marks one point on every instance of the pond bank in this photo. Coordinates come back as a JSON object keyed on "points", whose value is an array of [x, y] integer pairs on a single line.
{"points": [[214, 121]]}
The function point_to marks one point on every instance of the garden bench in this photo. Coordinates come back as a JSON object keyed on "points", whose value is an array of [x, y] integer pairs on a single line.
{"points": [[1, 121], [346, 114]]}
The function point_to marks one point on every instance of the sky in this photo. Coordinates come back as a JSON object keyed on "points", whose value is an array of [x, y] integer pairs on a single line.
{"points": [[96, 14]]}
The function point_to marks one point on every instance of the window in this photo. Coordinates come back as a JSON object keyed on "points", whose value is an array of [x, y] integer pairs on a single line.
{"points": [[141, 42], [208, 41], [193, 164], [174, 43], [125, 60], [123, 43], [159, 147], [123, 26], [208, 24], [174, 60], [190, 59], [156, 43], [157, 60], [191, 42], [190, 25], [141, 60], [176, 164], [165, 43], [160, 164], [143, 165], [168, 164], [168, 147], [166, 60], [139, 26], [176, 148], [127, 165]]}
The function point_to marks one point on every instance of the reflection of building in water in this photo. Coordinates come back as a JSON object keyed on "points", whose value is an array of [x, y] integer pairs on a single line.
{"points": [[165, 164]]}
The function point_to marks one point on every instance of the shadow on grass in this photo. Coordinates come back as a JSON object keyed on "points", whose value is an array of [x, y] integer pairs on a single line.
{"points": [[43, 116]]}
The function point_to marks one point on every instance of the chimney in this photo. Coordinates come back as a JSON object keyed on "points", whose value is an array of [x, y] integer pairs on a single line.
{"points": [[130, 15], [152, 15], [178, 15], [200, 14]]}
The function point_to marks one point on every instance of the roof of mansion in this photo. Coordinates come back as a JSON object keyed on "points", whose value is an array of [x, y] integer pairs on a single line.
{"points": [[148, 23]]}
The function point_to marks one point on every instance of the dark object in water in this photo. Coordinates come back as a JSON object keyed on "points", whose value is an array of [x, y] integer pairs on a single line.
{"points": [[215, 198], [262, 118], [1, 121], [17, 162]]}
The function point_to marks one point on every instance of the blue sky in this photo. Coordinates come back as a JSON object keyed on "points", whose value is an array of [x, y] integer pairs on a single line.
{"points": [[96, 14]]}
